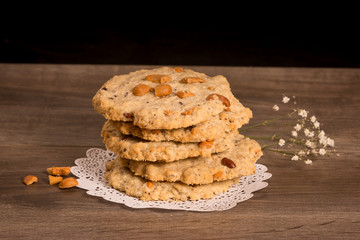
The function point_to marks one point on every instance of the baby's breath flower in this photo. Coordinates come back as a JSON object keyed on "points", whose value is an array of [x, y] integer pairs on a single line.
{"points": [[303, 113], [310, 144], [321, 134], [326, 141], [281, 142], [308, 133], [323, 141], [308, 161], [285, 99], [275, 107], [297, 127], [330, 142], [306, 138], [313, 119], [322, 151], [301, 153]]}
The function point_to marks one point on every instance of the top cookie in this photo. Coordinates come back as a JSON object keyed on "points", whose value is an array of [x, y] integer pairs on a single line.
{"points": [[163, 98]]}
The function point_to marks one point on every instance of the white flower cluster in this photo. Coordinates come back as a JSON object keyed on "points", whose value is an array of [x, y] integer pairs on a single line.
{"points": [[307, 134]]}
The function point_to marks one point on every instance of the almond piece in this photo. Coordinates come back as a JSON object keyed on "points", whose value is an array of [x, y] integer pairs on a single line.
{"points": [[68, 183], [150, 184], [59, 170], [178, 69], [141, 89], [188, 112], [128, 115], [182, 94], [158, 78], [223, 99], [206, 144], [163, 90], [168, 112], [54, 180], [30, 179], [190, 80], [218, 175], [228, 162]]}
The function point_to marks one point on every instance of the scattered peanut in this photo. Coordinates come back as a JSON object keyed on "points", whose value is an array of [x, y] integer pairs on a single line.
{"points": [[218, 175], [182, 94], [54, 180], [228, 162], [223, 99], [206, 144], [190, 80], [158, 78], [227, 109], [68, 183], [141, 89], [150, 184], [30, 179], [58, 170], [211, 88], [163, 90]]}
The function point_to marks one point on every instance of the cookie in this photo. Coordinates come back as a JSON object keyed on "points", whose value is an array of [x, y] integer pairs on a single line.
{"points": [[121, 178], [163, 98], [141, 150], [204, 170], [216, 127]]}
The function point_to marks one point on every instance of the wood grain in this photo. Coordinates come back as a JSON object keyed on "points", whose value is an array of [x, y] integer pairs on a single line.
{"points": [[47, 119]]}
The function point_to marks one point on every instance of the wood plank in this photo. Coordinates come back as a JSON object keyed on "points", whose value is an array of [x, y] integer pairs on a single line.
{"points": [[47, 119]]}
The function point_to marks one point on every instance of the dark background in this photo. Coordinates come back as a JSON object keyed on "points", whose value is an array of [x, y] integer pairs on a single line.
{"points": [[191, 38]]}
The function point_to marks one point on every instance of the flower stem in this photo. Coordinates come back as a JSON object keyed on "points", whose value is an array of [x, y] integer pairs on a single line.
{"points": [[278, 151], [267, 138], [267, 146], [267, 122]]}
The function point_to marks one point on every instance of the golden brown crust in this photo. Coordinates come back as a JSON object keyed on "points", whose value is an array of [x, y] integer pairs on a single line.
{"points": [[119, 177], [204, 170], [141, 150], [216, 127], [115, 100]]}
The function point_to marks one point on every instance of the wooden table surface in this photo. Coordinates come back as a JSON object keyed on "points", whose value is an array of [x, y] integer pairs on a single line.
{"points": [[46, 119]]}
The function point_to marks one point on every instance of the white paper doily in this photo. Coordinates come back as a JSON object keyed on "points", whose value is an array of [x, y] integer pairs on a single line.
{"points": [[91, 170]]}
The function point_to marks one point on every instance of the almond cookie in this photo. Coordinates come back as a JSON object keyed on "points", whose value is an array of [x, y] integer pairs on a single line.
{"points": [[216, 127], [163, 98], [141, 150], [235, 162], [121, 178]]}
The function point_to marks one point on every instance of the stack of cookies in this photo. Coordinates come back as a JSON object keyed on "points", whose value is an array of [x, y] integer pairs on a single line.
{"points": [[175, 134]]}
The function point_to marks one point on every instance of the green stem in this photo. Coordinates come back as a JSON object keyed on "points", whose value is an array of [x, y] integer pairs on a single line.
{"points": [[267, 146], [267, 122], [267, 138], [278, 151]]}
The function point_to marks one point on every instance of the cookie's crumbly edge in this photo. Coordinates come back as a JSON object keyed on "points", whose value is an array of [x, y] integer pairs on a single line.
{"points": [[121, 178], [134, 148], [203, 170], [217, 126], [154, 116]]}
